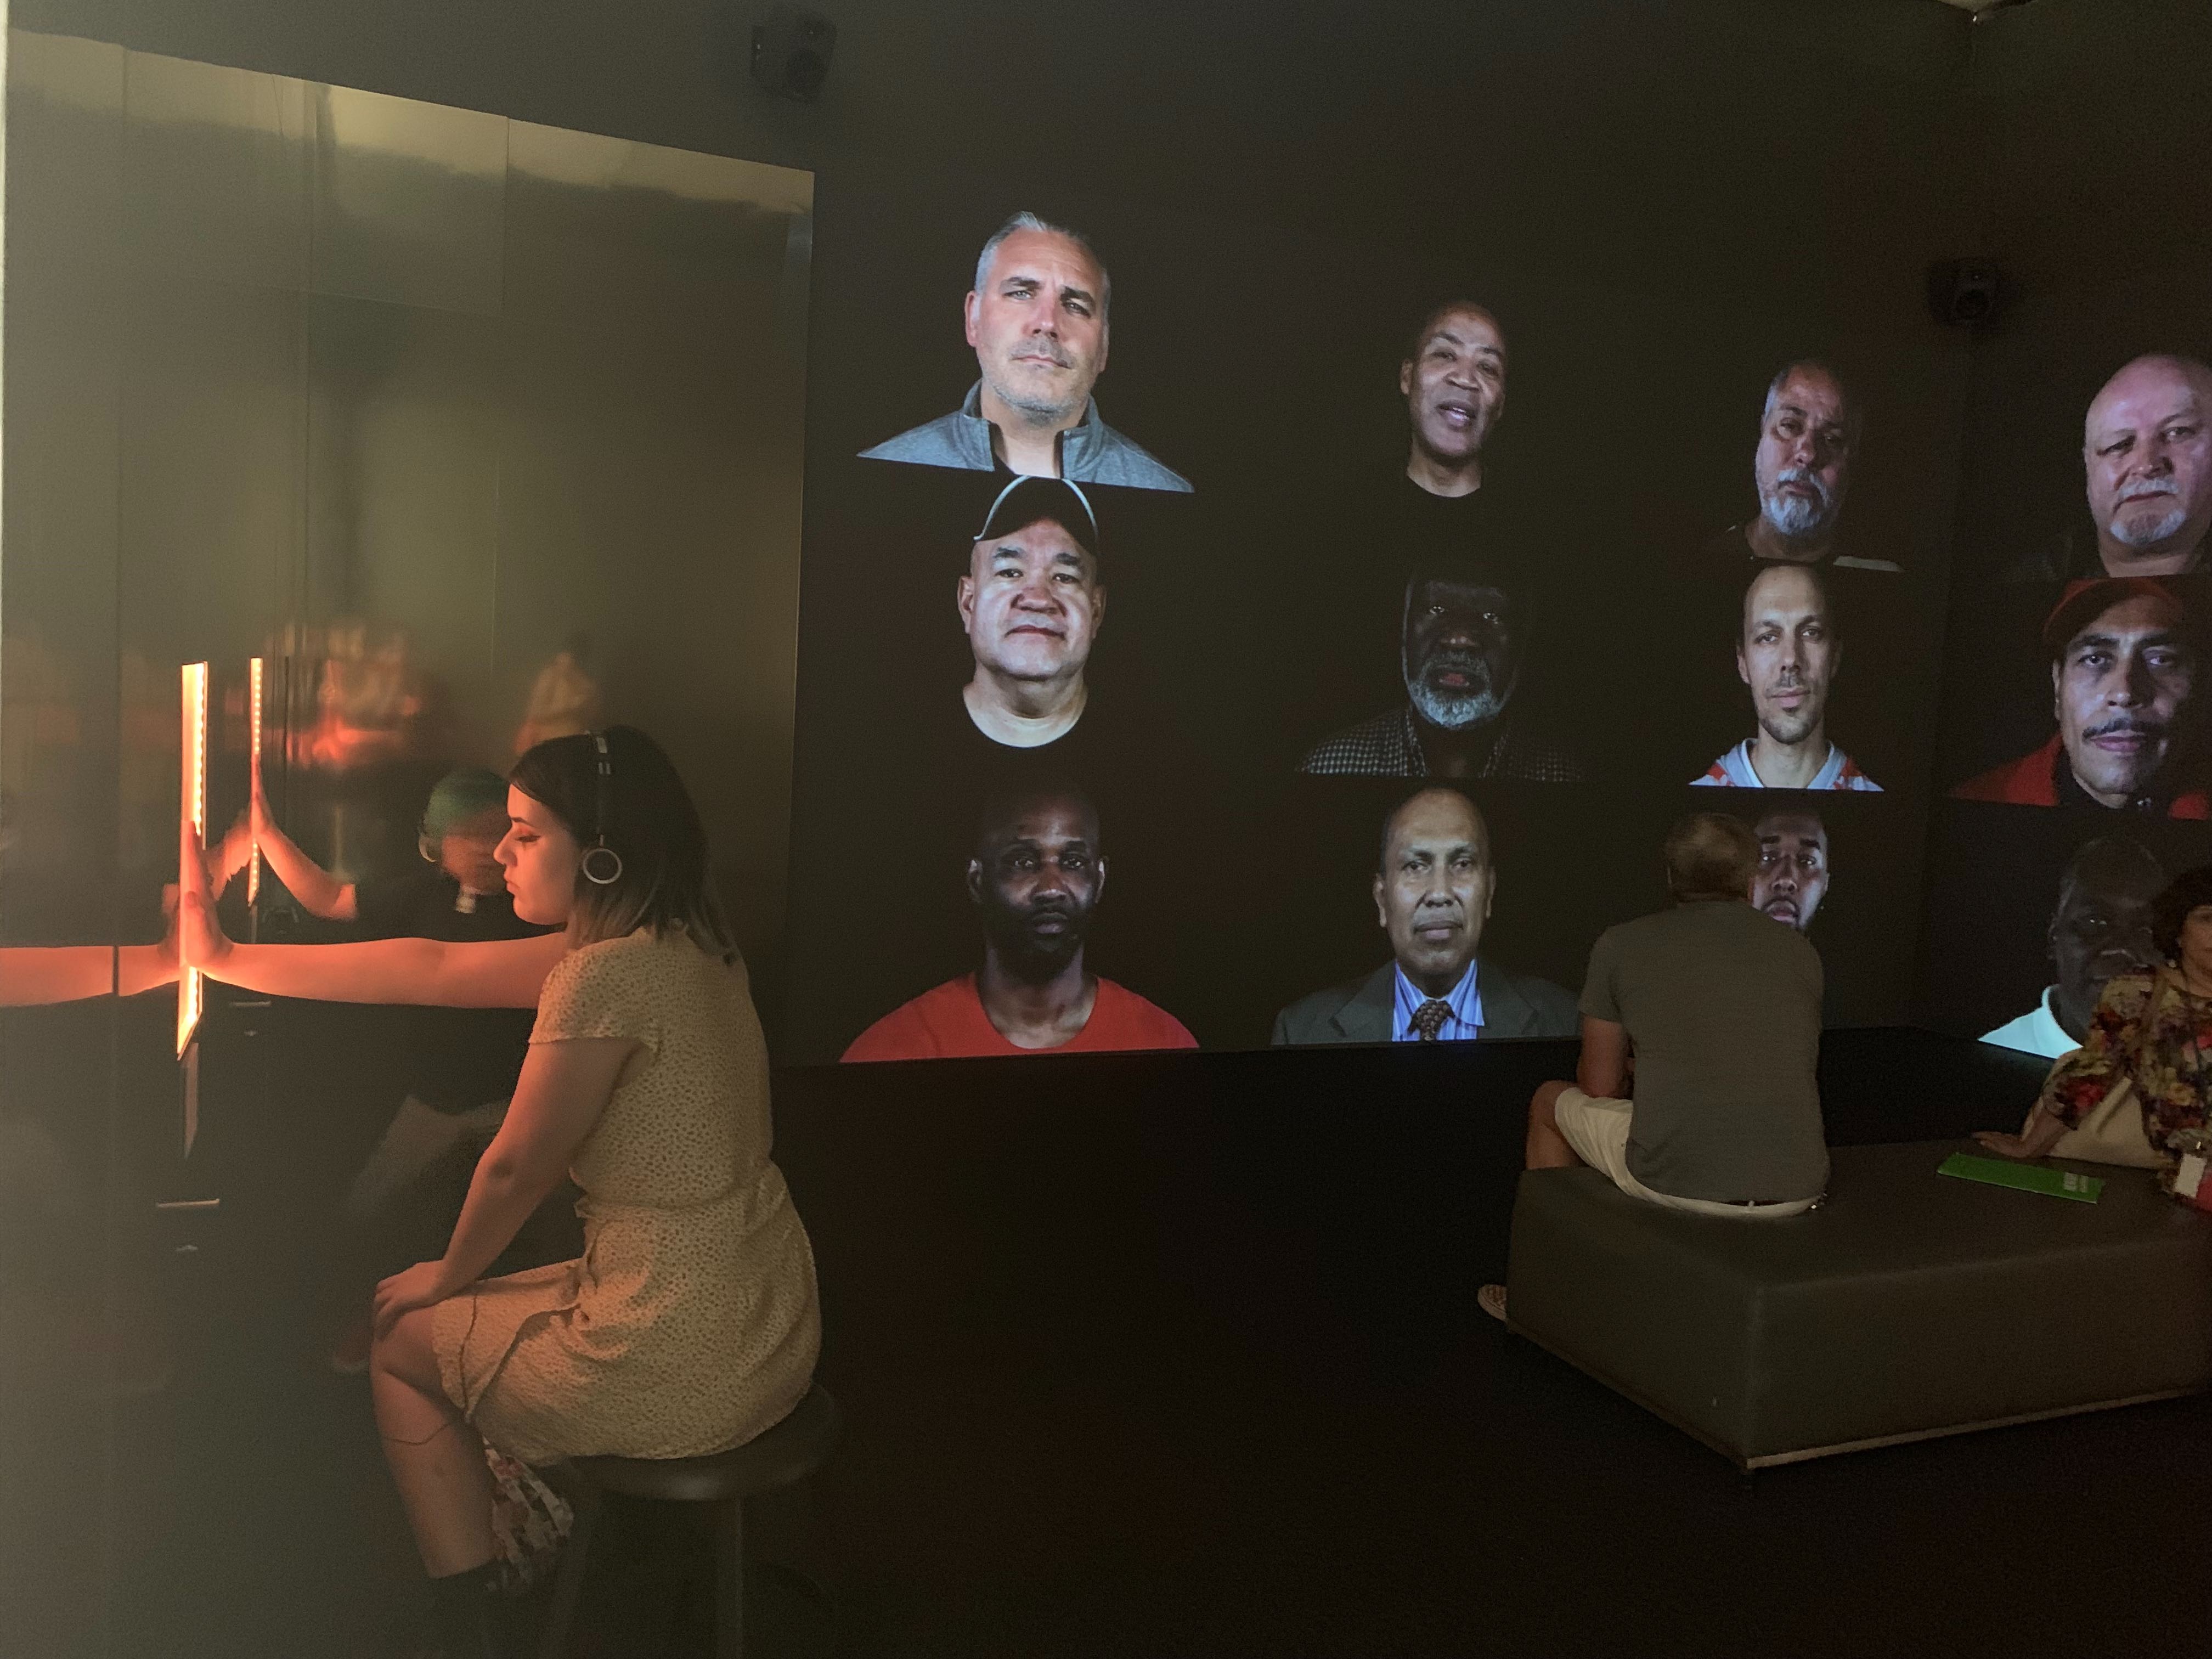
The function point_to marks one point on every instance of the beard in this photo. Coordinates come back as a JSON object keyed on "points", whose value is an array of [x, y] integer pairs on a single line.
{"points": [[1028, 956], [1790, 726], [1795, 516], [1032, 400], [2135, 530], [1455, 708]]}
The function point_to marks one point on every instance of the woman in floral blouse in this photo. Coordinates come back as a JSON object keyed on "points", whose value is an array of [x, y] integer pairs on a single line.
{"points": [[2154, 1028]]}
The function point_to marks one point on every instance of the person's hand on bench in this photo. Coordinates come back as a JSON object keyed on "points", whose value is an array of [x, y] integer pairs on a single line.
{"points": [[2038, 1136]]}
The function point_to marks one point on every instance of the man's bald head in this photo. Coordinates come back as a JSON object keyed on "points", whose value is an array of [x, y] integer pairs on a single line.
{"points": [[2147, 458]]}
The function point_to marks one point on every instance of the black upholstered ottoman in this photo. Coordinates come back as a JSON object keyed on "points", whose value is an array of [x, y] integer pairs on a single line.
{"points": [[1910, 1304]]}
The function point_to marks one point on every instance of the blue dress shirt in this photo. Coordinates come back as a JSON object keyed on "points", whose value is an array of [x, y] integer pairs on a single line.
{"points": [[1462, 1025]]}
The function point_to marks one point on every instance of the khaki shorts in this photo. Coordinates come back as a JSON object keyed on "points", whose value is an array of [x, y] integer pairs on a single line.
{"points": [[1598, 1131]]}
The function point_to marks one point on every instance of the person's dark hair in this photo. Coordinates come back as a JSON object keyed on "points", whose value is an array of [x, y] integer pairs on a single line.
{"points": [[1710, 856], [648, 822], [1442, 309], [2170, 910]]}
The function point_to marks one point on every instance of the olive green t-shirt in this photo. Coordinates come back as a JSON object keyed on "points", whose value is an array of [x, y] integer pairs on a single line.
{"points": [[1723, 1006]]}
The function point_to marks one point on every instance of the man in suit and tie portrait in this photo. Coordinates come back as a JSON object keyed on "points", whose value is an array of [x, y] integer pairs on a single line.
{"points": [[1433, 890]]}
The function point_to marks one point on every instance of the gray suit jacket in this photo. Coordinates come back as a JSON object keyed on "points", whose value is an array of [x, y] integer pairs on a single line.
{"points": [[1513, 1005]]}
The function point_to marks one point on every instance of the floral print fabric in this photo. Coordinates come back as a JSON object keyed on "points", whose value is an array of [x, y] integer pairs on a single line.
{"points": [[2147, 1027]]}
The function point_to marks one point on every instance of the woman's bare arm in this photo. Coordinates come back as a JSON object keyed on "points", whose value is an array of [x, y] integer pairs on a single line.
{"points": [[483, 974], [558, 1102]]}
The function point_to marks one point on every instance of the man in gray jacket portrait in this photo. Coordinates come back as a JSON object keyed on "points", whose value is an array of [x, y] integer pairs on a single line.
{"points": [[1037, 319], [1432, 894]]}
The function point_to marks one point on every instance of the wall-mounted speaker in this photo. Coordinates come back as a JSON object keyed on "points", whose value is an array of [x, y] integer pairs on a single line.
{"points": [[1963, 292], [790, 52]]}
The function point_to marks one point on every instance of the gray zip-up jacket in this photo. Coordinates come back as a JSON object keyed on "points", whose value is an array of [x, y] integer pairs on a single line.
{"points": [[1091, 451]]}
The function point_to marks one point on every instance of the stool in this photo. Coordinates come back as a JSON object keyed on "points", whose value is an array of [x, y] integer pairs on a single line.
{"points": [[780, 1456]]}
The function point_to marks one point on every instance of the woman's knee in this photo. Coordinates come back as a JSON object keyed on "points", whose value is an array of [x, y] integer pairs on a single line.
{"points": [[405, 1350]]}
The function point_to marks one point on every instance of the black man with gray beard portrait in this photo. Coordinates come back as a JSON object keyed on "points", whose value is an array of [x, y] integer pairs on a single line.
{"points": [[1463, 646]]}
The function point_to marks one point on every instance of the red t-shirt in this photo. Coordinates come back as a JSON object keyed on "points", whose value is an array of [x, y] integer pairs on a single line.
{"points": [[948, 1024]]}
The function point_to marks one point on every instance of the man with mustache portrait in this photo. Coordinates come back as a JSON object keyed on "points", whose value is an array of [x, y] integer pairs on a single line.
{"points": [[1793, 867], [2125, 654], [2147, 464], [1030, 603], [1461, 643], [1037, 320], [1035, 879], [1433, 890], [1808, 432], [1787, 652], [2100, 928]]}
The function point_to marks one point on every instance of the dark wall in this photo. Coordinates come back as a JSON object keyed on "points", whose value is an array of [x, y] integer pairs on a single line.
{"points": [[1280, 195]]}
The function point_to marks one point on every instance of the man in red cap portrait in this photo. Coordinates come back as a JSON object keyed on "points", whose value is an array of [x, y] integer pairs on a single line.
{"points": [[2124, 663]]}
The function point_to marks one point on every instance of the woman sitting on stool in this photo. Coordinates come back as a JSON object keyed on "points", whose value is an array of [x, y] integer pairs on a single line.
{"points": [[691, 1323], [2151, 1032]]}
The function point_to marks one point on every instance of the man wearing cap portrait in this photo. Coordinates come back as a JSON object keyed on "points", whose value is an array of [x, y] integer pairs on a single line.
{"points": [[2125, 654], [1030, 602], [1037, 320]]}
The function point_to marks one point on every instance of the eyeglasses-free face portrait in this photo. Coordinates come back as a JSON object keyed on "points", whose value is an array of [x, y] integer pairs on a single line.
{"points": [[2147, 455], [2120, 687], [1461, 654], [1802, 463], [1787, 656], [1793, 867], [1038, 321], [1433, 891], [1030, 602], [1454, 384], [2125, 655]]}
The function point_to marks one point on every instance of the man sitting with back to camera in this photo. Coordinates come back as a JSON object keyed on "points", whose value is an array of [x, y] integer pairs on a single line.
{"points": [[1717, 1013], [1035, 879], [1432, 896], [1460, 649]]}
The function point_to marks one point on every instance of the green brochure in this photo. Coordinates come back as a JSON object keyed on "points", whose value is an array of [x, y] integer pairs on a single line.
{"points": [[2029, 1177]]}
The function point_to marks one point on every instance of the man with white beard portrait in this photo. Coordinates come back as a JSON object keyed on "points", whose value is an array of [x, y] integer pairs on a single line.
{"points": [[1461, 648], [1808, 432], [2147, 467]]}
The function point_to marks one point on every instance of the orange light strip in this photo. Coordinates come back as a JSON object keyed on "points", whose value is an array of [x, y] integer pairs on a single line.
{"points": [[253, 670], [191, 809]]}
